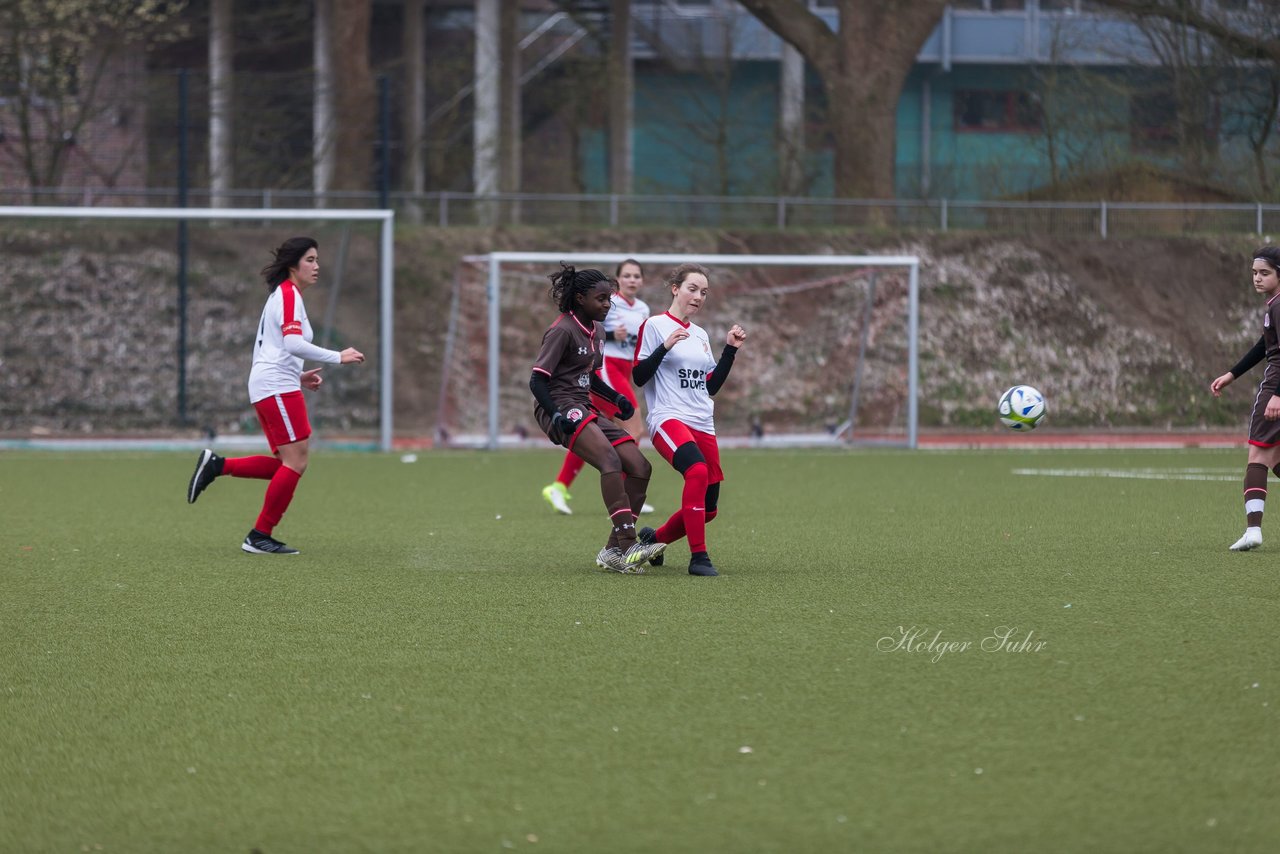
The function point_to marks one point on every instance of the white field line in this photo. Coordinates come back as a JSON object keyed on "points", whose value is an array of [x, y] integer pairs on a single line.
{"points": [[1213, 474]]}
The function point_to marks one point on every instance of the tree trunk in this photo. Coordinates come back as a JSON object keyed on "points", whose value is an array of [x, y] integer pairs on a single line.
{"points": [[863, 67], [621, 98], [509, 150], [323, 155], [484, 173], [414, 103], [221, 103], [791, 145], [354, 95]]}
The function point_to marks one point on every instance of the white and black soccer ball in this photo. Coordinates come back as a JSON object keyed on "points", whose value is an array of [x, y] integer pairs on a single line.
{"points": [[1021, 408]]}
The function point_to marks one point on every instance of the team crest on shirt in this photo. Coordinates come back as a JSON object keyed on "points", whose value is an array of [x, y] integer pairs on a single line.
{"points": [[575, 414], [584, 380]]}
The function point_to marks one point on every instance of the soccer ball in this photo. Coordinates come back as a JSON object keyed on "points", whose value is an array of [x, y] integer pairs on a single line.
{"points": [[1021, 408]]}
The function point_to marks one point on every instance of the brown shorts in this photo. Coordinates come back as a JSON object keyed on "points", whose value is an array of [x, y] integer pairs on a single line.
{"points": [[584, 416], [1263, 433]]}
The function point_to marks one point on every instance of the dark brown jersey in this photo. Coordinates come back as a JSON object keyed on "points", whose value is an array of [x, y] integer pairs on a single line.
{"points": [[570, 354], [1271, 338]]}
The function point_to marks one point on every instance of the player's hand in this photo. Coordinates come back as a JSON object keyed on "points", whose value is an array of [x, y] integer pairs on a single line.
{"points": [[620, 335], [560, 429], [626, 408], [351, 354], [736, 336], [675, 338], [311, 379], [1220, 383], [1272, 412]]}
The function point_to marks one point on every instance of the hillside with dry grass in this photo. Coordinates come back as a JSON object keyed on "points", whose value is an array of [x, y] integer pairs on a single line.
{"points": [[1115, 333]]}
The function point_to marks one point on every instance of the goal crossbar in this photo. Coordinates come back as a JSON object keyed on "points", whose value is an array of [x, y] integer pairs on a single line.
{"points": [[386, 283], [910, 262]]}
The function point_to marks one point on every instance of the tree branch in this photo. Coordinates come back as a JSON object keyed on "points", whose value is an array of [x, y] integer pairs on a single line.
{"points": [[1237, 42], [792, 21]]}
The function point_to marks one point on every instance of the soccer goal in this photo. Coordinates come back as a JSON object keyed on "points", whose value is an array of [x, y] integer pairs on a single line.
{"points": [[831, 357], [139, 322]]}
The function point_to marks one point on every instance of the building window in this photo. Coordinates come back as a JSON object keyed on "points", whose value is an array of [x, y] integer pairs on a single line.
{"points": [[991, 5], [1153, 121], [996, 111]]}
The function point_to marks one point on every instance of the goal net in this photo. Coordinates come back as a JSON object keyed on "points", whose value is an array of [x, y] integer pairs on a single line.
{"points": [[139, 323], [831, 356]]}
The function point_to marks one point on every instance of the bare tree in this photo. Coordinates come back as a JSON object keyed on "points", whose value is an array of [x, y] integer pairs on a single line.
{"points": [[1216, 55], [621, 98], [863, 66], [59, 76], [221, 104], [353, 95], [1246, 36]]}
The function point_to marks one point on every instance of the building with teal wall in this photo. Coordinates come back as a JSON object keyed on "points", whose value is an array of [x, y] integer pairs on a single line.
{"points": [[1006, 100]]}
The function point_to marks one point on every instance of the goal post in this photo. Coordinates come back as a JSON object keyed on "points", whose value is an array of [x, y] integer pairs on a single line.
{"points": [[384, 220], [658, 261]]}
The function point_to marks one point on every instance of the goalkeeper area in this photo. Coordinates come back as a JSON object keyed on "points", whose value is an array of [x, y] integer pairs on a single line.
{"points": [[831, 356]]}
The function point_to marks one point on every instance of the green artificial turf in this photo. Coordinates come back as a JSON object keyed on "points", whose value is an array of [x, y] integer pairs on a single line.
{"points": [[444, 669]]}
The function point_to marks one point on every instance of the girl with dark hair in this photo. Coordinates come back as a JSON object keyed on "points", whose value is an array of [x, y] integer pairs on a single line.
{"points": [[563, 381], [627, 312], [276, 381], [679, 376], [1264, 423]]}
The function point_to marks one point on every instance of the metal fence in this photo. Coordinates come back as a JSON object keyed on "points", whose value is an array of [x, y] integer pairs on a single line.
{"points": [[456, 209]]}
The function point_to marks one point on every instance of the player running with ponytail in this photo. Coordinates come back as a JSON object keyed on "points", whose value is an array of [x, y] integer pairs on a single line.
{"points": [[276, 381], [621, 327], [679, 375], [564, 379]]}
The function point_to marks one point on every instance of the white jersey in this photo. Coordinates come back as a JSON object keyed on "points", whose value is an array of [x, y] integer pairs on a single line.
{"points": [[283, 342], [624, 315], [678, 388]]}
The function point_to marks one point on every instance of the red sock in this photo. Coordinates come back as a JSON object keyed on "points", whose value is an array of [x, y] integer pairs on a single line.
{"points": [[693, 506], [572, 465], [262, 468], [672, 529], [279, 494], [693, 495]]}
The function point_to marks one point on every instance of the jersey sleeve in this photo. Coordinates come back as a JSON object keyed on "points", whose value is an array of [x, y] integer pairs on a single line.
{"points": [[554, 340], [647, 340], [290, 310]]}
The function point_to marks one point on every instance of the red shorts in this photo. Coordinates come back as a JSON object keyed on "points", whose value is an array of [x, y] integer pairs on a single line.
{"points": [[671, 434], [617, 373], [283, 418]]}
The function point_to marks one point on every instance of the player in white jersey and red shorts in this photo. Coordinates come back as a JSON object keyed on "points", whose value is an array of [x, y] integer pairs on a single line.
{"points": [[564, 382], [276, 380], [675, 367], [626, 314]]}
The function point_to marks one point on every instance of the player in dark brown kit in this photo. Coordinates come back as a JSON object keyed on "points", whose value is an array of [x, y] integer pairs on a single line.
{"points": [[1264, 424], [564, 378]]}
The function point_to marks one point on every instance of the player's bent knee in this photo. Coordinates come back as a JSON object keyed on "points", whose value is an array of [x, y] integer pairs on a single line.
{"points": [[638, 466], [686, 456], [609, 462]]}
